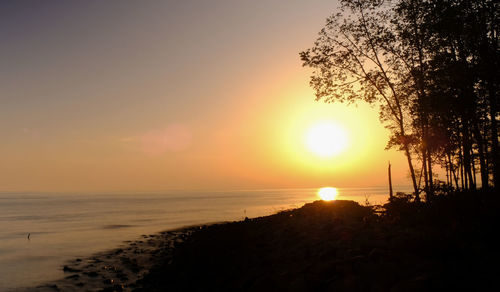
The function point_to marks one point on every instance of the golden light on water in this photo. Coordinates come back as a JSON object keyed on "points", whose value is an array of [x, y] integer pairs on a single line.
{"points": [[328, 193]]}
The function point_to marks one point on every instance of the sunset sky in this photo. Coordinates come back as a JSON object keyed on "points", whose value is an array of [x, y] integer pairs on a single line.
{"points": [[156, 95]]}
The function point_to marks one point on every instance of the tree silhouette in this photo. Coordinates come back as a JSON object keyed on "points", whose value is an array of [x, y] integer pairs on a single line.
{"points": [[432, 66], [357, 57]]}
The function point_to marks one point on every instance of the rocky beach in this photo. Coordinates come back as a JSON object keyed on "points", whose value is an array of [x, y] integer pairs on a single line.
{"points": [[322, 246], [118, 269]]}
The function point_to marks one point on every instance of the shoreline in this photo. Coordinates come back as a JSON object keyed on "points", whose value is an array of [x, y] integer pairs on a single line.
{"points": [[125, 267], [94, 224], [119, 268], [321, 246]]}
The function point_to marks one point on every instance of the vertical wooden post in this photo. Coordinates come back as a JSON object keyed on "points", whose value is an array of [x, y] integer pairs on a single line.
{"points": [[390, 182]]}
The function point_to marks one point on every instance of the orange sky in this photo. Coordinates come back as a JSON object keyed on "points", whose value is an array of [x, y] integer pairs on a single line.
{"points": [[119, 96]]}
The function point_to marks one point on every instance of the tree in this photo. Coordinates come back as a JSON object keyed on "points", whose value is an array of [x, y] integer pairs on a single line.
{"points": [[357, 57], [433, 68], [463, 78]]}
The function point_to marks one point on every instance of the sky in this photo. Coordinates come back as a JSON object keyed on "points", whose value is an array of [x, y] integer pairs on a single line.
{"points": [[158, 95]]}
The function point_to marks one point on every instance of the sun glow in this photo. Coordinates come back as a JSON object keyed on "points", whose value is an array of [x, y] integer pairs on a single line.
{"points": [[328, 193], [326, 139]]}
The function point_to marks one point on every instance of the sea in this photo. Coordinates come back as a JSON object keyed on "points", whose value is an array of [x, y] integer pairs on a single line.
{"points": [[66, 226]]}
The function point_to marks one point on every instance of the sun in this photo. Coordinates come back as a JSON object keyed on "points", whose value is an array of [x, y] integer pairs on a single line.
{"points": [[328, 193], [326, 139]]}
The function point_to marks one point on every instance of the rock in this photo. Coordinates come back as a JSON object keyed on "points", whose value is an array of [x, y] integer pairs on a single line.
{"points": [[92, 274], [70, 270], [75, 276], [53, 287]]}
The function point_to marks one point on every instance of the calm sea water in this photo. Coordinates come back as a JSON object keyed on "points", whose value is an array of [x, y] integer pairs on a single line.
{"points": [[67, 226]]}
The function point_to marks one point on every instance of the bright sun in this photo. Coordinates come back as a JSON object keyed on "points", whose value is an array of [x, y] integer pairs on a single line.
{"points": [[326, 139], [328, 194]]}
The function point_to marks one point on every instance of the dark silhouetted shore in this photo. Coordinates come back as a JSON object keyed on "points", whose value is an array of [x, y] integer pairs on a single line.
{"points": [[323, 246]]}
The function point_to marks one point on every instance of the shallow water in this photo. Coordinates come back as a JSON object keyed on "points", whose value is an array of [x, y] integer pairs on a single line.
{"points": [[66, 226]]}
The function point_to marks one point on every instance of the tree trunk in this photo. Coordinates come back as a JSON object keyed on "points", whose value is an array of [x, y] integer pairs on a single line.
{"points": [[430, 194], [494, 137], [424, 168], [452, 170], [461, 158], [448, 173], [466, 155], [390, 182], [473, 167], [482, 159], [412, 171]]}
